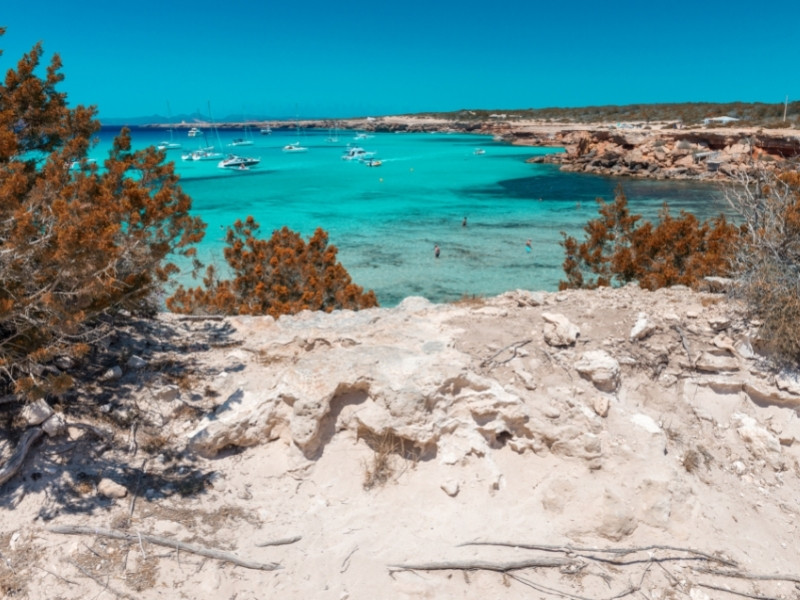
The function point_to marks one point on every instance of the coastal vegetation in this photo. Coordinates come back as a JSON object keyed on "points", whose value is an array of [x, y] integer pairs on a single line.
{"points": [[81, 248], [767, 262], [761, 256], [281, 275], [750, 114], [621, 248]]}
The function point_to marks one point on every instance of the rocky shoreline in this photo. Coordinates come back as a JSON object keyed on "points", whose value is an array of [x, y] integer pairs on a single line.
{"points": [[655, 151]]}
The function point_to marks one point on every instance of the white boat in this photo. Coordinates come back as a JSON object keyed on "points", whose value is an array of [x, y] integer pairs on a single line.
{"points": [[479, 151], [333, 135], [266, 130], [169, 145], [362, 136], [372, 162], [206, 153], [296, 147], [242, 163], [357, 153], [243, 141], [194, 132]]}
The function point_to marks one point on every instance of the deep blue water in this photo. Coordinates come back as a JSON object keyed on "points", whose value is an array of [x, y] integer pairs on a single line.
{"points": [[386, 220]]}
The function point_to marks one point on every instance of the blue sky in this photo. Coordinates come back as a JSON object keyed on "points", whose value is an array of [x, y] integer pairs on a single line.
{"points": [[338, 59]]}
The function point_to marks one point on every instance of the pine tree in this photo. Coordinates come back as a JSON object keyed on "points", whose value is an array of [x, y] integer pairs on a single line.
{"points": [[281, 275], [79, 245]]}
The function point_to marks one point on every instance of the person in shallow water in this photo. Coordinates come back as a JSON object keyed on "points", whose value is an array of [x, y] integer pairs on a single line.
{"points": [[464, 222], [528, 246], [436, 251]]}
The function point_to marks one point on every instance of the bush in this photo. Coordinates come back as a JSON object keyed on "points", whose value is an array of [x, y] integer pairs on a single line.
{"points": [[674, 251], [77, 246], [282, 275], [768, 263]]}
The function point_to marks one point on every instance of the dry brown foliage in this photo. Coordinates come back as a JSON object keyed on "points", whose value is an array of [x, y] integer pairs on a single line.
{"points": [[768, 262], [618, 249], [281, 275], [79, 244]]}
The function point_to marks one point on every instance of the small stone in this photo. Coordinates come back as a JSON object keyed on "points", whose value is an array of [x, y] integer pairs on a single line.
{"points": [[136, 362], [112, 374], [36, 412], [64, 363], [642, 328], [451, 488], [111, 489], [54, 425], [559, 330], [739, 467], [600, 406], [551, 412]]}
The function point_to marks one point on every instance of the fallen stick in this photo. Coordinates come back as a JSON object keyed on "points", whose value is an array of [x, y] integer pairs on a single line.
{"points": [[735, 592], [477, 564], [14, 464], [745, 575], [619, 551], [162, 541]]}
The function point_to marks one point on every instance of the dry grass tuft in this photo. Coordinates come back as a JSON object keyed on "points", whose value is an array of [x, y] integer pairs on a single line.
{"points": [[692, 460], [387, 449]]}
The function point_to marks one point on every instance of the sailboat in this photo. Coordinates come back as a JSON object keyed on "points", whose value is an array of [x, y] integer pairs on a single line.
{"points": [[171, 144], [247, 140], [205, 152], [296, 147], [333, 135]]}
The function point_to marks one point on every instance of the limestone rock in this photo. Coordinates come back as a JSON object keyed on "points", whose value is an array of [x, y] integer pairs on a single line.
{"points": [[111, 489], [761, 443], [136, 362], [642, 328], [600, 406], [54, 425], [558, 330], [600, 368], [112, 374], [715, 363], [451, 488], [36, 412]]}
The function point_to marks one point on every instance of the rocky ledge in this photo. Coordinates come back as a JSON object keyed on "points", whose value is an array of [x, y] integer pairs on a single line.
{"points": [[358, 449], [664, 154]]}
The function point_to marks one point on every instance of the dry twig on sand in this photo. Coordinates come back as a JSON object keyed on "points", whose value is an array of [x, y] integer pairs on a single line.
{"points": [[166, 542], [14, 464], [575, 560]]}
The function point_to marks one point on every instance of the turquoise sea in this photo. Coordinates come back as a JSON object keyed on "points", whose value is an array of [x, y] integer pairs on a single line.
{"points": [[386, 220]]}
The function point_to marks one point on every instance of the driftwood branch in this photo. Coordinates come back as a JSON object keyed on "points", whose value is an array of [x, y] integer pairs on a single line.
{"points": [[753, 576], [735, 592], [166, 542], [583, 552], [487, 565], [14, 464]]}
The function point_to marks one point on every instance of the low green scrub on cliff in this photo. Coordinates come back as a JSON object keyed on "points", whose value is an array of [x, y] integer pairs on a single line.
{"points": [[750, 114]]}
